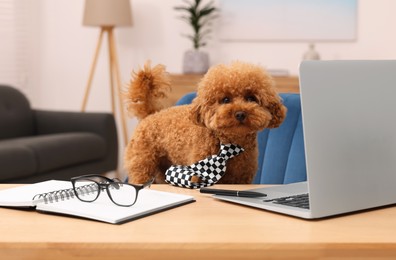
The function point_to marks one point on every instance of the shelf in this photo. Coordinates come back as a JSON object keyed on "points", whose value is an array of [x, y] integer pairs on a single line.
{"points": [[186, 83]]}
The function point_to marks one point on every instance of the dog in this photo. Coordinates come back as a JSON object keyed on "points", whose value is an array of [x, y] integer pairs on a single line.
{"points": [[233, 103]]}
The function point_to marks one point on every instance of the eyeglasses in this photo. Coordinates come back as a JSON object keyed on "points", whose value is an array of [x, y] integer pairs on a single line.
{"points": [[87, 188]]}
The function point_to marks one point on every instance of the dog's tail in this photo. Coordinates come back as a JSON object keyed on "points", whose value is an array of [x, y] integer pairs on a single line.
{"points": [[147, 90]]}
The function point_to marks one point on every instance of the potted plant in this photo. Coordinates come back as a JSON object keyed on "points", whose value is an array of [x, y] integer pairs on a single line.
{"points": [[199, 16]]}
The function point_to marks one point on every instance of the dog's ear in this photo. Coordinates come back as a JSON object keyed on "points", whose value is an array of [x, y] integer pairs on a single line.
{"points": [[278, 112], [196, 113]]}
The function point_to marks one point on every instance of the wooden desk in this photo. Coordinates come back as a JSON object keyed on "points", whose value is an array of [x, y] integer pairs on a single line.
{"points": [[206, 229], [185, 83]]}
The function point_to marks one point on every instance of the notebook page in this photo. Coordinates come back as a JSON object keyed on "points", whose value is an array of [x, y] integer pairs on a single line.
{"points": [[22, 196], [103, 209]]}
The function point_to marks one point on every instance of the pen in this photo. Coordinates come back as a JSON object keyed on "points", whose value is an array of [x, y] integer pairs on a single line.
{"points": [[235, 193]]}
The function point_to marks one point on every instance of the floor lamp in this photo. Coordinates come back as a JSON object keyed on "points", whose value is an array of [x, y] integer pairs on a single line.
{"points": [[108, 14]]}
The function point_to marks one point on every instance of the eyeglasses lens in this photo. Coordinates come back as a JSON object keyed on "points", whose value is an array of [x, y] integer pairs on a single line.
{"points": [[86, 189], [122, 194]]}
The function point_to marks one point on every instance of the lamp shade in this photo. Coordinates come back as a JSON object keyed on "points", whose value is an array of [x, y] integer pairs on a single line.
{"points": [[107, 13]]}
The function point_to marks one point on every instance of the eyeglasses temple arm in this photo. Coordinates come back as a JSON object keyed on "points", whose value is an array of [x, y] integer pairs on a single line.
{"points": [[148, 183]]}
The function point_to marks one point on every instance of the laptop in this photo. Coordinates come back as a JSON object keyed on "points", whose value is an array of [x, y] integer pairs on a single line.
{"points": [[349, 123]]}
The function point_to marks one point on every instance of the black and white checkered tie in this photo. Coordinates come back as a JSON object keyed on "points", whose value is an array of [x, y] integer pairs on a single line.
{"points": [[209, 170]]}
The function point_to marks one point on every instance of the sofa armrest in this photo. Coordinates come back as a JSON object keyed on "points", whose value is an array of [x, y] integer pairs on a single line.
{"points": [[103, 124]]}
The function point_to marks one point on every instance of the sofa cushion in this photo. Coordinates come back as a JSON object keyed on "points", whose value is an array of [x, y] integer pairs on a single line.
{"points": [[16, 117], [60, 150], [16, 161]]}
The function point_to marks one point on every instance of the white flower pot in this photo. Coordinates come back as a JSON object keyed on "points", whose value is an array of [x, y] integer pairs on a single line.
{"points": [[195, 62]]}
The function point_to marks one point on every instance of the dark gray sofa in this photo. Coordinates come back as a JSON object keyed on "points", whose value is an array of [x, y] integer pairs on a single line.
{"points": [[37, 145]]}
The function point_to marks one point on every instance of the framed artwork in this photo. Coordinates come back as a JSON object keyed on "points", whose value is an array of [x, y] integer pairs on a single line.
{"points": [[288, 20]]}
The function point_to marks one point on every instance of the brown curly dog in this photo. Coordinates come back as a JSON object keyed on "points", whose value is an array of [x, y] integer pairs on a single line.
{"points": [[233, 103]]}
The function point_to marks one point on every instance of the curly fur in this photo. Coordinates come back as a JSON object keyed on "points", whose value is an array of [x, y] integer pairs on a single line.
{"points": [[233, 103], [146, 88]]}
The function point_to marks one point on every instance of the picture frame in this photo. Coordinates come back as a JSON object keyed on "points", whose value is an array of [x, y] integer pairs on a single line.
{"points": [[288, 20]]}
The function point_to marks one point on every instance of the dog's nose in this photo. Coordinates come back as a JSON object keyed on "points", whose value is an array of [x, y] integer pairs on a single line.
{"points": [[240, 115]]}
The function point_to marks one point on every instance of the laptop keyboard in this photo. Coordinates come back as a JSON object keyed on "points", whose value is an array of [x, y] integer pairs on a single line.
{"points": [[299, 201]]}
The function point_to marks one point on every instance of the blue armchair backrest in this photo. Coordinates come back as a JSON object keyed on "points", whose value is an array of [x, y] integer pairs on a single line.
{"points": [[281, 150]]}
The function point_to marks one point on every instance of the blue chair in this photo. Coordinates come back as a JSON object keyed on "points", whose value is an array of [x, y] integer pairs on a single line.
{"points": [[281, 150]]}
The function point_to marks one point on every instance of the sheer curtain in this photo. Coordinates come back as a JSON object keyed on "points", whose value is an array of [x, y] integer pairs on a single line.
{"points": [[14, 43]]}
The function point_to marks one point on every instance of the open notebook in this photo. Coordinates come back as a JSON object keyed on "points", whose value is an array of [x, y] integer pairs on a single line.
{"points": [[149, 202]]}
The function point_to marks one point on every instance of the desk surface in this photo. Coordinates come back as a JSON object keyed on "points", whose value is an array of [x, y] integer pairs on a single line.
{"points": [[206, 229]]}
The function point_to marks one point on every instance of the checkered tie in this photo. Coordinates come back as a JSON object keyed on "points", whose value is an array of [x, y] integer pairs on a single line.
{"points": [[209, 170]]}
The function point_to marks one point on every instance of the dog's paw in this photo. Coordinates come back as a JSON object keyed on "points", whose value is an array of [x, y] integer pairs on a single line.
{"points": [[195, 179]]}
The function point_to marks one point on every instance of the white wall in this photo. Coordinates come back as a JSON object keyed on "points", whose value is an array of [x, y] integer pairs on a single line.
{"points": [[63, 48]]}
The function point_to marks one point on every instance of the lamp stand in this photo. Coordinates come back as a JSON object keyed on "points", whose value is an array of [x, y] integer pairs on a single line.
{"points": [[115, 79]]}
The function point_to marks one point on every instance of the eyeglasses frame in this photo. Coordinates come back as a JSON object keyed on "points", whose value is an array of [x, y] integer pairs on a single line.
{"points": [[106, 185]]}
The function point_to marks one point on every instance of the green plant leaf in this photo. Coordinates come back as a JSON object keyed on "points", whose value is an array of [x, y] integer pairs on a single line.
{"points": [[199, 18]]}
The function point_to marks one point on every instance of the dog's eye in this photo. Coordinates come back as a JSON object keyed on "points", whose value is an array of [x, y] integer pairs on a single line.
{"points": [[226, 100], [251, 98]]}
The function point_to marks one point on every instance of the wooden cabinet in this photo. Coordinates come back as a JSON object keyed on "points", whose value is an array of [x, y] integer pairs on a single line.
{"points": [[185, 83]]}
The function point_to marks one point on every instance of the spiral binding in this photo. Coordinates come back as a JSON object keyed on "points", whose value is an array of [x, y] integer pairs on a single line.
{"points": [[87, 189], [54, 196], [65, 194]]}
